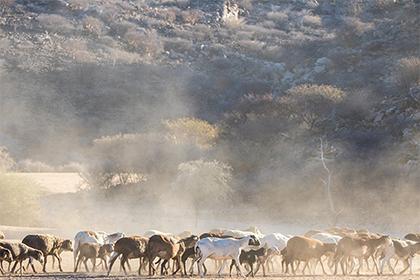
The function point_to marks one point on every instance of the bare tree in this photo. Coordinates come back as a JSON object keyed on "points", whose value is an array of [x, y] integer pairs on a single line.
{"points": [[327, 184]]}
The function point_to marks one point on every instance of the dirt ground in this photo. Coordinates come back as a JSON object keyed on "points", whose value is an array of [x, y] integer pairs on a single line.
{"points": [[117, 275]]}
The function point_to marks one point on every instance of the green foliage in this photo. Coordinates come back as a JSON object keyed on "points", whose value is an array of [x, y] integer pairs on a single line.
{"points": [[19, 201]]}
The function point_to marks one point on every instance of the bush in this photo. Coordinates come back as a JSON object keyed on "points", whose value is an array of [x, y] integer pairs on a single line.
{"points": [[408, 73], [312, 104], [55, 23], [147, 43], [192, 130], [94, 26], [19, 201]]}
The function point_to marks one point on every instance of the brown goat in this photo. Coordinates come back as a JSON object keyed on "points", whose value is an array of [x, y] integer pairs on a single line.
{"points": [[49, 245], [129, 248], [92, 251], [300, 248], [21, 252], [350, 247], [167, 248]]}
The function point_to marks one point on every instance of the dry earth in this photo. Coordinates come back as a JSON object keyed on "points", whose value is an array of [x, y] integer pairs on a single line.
{"points": [[116, 275]]}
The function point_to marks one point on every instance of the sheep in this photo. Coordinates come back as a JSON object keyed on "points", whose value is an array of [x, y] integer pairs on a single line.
{"points": [[355, 246], [98, 237], [93, 251], [21, 252], [5, 255], [250, 258], [301, 248], [168, 248], [129, 248], [48, 245], [223, 249]]}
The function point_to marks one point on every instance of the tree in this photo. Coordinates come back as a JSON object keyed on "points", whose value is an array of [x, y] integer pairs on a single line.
{"points": [[327, 184], [203, 183], [6, 161], [312, 105]]}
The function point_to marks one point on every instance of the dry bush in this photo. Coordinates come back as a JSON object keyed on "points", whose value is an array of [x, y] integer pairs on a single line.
{"points": [[191, 17], [230, 15], [192, 130], [147, 43], [408, 73], [178, 45], [169, 15], [183, 4], [313, 21], [6, 3], [78, 5], [311, 105], [56, 23], [280, 18], [352, 29], [94, 26]]}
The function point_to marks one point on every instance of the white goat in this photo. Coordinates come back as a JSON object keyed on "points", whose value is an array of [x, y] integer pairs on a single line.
{"points": [[223, 249], [98, 237]]}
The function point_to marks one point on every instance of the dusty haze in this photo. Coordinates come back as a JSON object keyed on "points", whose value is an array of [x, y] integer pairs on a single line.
{"points": [[179, 117]]}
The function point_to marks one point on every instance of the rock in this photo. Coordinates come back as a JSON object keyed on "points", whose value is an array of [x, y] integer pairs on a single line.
{"points": [[378, 117]]}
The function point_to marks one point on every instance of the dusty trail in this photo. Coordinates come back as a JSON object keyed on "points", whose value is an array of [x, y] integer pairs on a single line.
{"points": [[74, 276]]}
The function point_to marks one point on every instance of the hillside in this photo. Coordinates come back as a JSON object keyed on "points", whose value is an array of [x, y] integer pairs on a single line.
{"points": [[169, 91]]}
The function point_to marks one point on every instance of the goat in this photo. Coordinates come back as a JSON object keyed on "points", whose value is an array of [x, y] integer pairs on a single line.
{"points": [[5, 255], [413, 237], [92, 251], [400, 250], [98, 237], [48, 245], [21, 252], [223, 249], [354, 246], [2, 236], [132, 247], [250, 258], [167, 248], [301, 248]]}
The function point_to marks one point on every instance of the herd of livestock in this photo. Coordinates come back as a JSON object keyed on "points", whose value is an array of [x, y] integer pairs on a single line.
{"points": [[335, 248]]}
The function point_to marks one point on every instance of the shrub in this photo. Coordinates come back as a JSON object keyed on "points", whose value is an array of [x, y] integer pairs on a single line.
{"points": [[55, 23], [192, 130], [93, 26], [191, 17], [408, 73], [148, 42], [312, 104], [78, 5]]}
